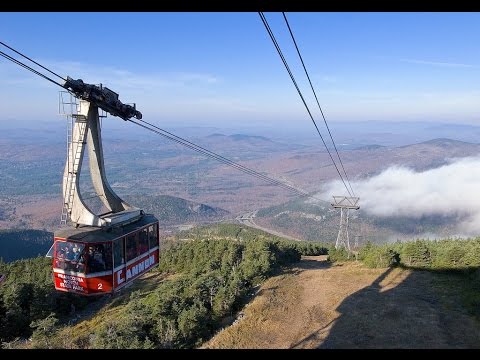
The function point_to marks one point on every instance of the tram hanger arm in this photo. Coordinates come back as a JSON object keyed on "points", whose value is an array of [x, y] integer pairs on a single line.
{"points": [[102, 97]]}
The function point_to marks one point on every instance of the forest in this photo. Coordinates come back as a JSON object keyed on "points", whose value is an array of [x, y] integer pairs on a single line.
{"points": [[22, 244]]}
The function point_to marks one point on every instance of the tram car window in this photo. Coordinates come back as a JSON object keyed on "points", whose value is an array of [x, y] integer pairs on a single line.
{"points": [[131, 247], [143, 240], [119, 252], [152, 236]]}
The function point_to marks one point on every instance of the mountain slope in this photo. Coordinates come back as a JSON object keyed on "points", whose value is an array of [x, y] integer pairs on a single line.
{"points": [[319, 221], [171, 210]]}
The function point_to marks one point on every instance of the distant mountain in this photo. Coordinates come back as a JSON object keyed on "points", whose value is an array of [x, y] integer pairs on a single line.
{"points": [[171, 210], [251, 138], [372, 159], [434, 153], [239, 137], [301, 220], [396, 133], [245, 147], [370, 147], [443, 143]]}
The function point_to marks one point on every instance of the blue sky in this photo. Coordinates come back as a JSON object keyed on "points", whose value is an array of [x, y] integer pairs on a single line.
{"points": [[222, 68]]}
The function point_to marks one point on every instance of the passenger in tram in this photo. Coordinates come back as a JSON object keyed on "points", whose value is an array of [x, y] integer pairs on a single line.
{"points": [[131, 250], [107, 257], [99, 257], [96, 260], [143, 241], [80, 267], [60, 258], [92, 264], [76, 252], [118, 250], [69, 254]]}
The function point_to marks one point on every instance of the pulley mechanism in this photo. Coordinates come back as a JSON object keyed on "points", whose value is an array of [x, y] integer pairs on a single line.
{"points": [[102, 97]]}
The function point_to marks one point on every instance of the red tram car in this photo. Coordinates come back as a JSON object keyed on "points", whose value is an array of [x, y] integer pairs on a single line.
{"points": [[93, 261]]}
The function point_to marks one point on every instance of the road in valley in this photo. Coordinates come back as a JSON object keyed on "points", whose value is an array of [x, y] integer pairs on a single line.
{"points": [[247, 219]]}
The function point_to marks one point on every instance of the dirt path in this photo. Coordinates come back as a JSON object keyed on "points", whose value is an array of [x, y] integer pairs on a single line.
{"points": [[318, 305]]}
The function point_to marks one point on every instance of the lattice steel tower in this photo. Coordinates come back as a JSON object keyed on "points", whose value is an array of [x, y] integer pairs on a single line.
{"points": [[344, 203]]}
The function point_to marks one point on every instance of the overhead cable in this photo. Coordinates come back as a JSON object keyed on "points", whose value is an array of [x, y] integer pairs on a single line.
{"points": [[280, 53], [36, 63], [316, 98]]}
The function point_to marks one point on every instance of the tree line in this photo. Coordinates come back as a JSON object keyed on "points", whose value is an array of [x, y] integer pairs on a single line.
{"points": [[210, 273]]}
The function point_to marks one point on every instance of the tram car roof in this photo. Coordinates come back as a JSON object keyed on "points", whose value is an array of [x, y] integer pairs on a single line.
{"points": [[91, 234]]}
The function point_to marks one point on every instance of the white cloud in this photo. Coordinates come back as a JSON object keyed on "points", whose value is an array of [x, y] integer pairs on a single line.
{"points": [[450, 190], [330, 79], [156, 94], [121, 78], [106, 75], [438, 63]]}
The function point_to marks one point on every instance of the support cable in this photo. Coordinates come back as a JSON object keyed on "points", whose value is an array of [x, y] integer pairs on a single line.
{"points": [[272, 37], [316, 98]]}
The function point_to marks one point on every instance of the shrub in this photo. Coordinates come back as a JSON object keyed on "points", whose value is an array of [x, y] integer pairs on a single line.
{"points": [[339, 254], [379, 256], [416, 253]]}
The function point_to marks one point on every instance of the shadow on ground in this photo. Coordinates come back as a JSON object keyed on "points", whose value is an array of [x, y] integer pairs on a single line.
{"points": [[402, 308], [308, 263]]}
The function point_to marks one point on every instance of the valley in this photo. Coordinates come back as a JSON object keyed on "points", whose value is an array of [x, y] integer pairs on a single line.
{"points": [[148, 171]]}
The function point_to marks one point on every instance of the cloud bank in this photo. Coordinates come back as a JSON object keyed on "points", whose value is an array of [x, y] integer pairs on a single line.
{"points": [[449, 190]]}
